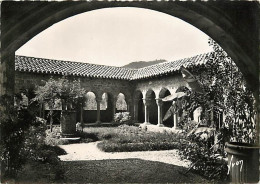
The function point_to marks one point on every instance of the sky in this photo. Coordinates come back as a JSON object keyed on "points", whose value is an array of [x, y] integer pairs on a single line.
{"points": [[116, 37]]}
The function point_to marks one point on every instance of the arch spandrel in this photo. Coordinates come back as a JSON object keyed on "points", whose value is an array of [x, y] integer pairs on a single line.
{"points": [[162, 92]]}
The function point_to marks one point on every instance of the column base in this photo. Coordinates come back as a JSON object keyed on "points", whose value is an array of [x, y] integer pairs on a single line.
{"points": [[160, 125], [146, 123], [98, 122]]}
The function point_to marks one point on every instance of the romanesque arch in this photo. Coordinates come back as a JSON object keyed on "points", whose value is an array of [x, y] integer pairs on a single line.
{"points": [[106, 107], [152, 112], [90, 108], [236, 34], [138, 106], [165, 106], [121, 104]]}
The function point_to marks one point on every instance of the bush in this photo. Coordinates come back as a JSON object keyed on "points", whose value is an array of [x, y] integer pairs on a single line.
{"points": [[131, 138], [38, 151], [207, 161], [87, 137], [13, 125], [53, 137], [110, 146], [123, 118]]}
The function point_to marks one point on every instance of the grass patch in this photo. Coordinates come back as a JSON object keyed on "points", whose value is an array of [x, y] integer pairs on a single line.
{"points": [[38, 172], [127, 171], [131, 138]]}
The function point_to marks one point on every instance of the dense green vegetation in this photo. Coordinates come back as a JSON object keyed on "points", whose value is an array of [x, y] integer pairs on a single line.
{"points": [[129, 138]]}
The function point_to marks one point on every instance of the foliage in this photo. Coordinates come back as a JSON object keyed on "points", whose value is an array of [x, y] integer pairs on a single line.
{"points": [[14, 124], [53, 90], [53, 137], [205, 158], [225, 92], [123, 118], [131, 138], [23, 139], [218, 76]]}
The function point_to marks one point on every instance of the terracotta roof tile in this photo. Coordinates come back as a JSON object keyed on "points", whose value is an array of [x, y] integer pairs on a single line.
{"points": [[167, 67], [41, 65]]}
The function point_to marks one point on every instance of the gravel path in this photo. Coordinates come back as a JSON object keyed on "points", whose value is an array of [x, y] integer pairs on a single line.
{"points": [[89, 151]]}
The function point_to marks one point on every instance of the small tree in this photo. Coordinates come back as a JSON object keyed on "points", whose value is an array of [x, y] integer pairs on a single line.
{"points": [[224, 90], [13, 125], [53, 90]]}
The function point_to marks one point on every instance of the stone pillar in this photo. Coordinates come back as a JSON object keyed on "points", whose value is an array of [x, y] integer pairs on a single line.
{"points": [[98, 110], [146, 110], [7, 74], [159, 106], [114, 106], [136, 102], [81, 112], [175, 121], [129, 107]]}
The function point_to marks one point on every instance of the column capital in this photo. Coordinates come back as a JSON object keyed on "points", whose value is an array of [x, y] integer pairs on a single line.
{"points": [[159, 101], [98, 99], [146, 101]]}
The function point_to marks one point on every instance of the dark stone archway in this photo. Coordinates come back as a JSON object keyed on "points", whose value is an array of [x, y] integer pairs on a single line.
{"points": [[165, 106], [234, 25]]}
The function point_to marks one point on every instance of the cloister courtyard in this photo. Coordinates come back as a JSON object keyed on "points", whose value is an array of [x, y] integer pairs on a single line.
{"points": [[83, 163], [182, 119]]}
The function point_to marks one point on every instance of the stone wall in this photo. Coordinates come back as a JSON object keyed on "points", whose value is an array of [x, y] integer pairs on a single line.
{"points": [[96, 85], [153, 88], [160, 84], [26, 80]]}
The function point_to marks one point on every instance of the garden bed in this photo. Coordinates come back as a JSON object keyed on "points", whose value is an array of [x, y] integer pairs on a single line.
{"points": [[130, 138]]}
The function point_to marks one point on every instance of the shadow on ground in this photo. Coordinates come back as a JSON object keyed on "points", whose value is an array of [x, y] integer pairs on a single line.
{"points": [[126, 171]]}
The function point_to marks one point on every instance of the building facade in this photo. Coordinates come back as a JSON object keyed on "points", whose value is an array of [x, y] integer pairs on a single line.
{"points": [[140, 90]]}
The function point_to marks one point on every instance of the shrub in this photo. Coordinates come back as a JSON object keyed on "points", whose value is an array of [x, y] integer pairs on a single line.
{"points": [[38, 151], [13, 126], [131, 138], [87, 137], [123, 118], [53, 137], [207, 161], [110, 146]]}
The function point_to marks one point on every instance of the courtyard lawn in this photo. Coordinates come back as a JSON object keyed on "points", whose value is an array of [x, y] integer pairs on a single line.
{"points": [[129, 138], [127, 171]]}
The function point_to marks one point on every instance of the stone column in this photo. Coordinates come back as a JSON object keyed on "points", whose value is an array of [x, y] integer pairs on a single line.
{"points": [[175, 121], [114, 106], [98, 110], [146, 110], [129, 103], [159, 106], [136, 102], [81, 112], [7, 74]]}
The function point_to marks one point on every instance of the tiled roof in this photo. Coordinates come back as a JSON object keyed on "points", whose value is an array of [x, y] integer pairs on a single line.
{"points": [[169, 67], [49, 66]]}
